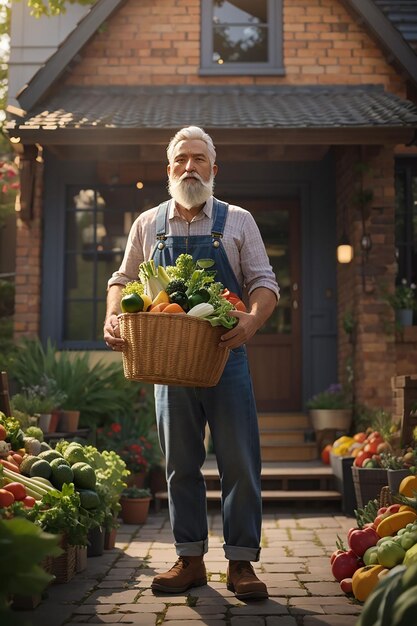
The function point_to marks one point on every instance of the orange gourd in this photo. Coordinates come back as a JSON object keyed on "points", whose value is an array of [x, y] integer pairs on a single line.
{"points": [[364, 580]]}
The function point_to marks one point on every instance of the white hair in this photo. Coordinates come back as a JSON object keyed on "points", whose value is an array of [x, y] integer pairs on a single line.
{"points": [[192, 132]]}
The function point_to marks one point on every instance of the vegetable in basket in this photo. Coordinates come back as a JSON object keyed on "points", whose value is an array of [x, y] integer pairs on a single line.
{"points": [[187, 284]]}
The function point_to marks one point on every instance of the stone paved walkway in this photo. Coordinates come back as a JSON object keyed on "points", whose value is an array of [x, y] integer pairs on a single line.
{"points": [[115, 588]]}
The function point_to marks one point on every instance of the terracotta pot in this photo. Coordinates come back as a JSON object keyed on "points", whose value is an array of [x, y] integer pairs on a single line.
{"points": [[110, 538], [136, 480], [135, 510], [68, 421], [81, 559], [53, 424]]}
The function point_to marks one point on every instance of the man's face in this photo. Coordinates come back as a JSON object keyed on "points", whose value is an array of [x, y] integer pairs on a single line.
{"points": [[191, 174]]}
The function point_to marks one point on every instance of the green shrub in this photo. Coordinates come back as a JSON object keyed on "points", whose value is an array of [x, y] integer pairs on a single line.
{"points": [[100, 392]]}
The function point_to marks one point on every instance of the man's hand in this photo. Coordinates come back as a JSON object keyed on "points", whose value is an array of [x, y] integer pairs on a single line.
{"points": [[112, 334], [262, 302], [111, 323], [242, 332]]}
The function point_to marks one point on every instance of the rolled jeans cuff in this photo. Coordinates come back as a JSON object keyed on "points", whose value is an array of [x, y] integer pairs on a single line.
{"points": [[239, 553], [194, 548]]}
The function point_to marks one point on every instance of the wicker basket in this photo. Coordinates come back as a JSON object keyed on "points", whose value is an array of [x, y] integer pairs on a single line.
{"points": [[385, 497], [172, 349], [63, 567], [368, 482]]}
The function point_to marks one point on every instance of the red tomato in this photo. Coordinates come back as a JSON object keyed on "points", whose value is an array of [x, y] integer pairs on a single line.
{"points": [[359, 459], [346, 585], [6, 498], [17, 489], [345, 565], [325, 454], [29, 502], [239, 306], [393, 508], [372, 445], [362, 539], [335, 554]]}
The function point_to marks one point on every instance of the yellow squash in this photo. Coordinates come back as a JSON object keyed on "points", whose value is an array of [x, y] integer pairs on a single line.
{"points": [[408, 486], [393, 523]]}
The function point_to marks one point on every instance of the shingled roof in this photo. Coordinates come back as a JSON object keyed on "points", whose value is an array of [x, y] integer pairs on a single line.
{"points": [[378, 15], [403, 14], [219, 107]]}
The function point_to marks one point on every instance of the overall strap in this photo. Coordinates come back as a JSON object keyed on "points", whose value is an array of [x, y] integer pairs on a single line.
{"points": [[161, 219], [220, 210]]}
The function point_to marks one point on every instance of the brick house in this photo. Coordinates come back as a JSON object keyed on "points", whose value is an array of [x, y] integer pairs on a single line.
{"points": [[312, 107]]}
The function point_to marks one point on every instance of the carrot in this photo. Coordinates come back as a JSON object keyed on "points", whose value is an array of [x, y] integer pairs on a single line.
{"points": [[17, 458], [11, 460], [10, 466], [173, 308], [158, 308]]}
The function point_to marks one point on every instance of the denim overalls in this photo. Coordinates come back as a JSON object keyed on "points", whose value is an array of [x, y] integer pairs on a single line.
{"points": [[229, 408]]}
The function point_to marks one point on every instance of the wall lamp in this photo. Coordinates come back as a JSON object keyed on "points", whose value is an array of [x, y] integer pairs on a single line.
{"points": [[344, 250]]}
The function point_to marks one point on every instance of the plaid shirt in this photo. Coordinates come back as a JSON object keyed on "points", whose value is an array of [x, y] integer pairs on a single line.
{"points": [[241, 240]]}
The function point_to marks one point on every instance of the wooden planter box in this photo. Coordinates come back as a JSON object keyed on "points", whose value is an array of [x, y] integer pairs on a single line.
{"points": [[342, 470], [368, 483]]}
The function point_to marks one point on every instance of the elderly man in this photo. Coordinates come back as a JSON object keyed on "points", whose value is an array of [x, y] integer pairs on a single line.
{"points": [[195, 222]]}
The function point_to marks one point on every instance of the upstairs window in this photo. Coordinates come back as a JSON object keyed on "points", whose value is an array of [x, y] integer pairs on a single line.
{"points": [[406, 219], [241, 37]]}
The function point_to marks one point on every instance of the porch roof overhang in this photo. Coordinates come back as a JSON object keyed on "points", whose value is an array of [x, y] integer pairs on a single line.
{"points": [[233, 115]]}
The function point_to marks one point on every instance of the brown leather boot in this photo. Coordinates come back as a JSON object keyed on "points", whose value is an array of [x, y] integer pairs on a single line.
{"points": [[242, 579], [188, 571]]}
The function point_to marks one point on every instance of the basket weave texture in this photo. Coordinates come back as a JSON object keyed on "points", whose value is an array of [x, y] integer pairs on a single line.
{"points": [[368, 483], [172, 349], [62, 567]]}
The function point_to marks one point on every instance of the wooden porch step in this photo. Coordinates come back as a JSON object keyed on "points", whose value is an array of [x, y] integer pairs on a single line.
{"points": [[288, 451], [306, 471], [270, 495], [283, 478], [284, 421], [277, 436]]}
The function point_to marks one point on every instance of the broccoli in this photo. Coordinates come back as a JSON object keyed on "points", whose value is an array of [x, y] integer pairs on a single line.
{"points": [[183, 268], [176, 285]]}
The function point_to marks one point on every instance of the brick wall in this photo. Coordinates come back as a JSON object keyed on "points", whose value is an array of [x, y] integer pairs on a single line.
{"points": [[360, 283], [156, 42], [29, 265]]}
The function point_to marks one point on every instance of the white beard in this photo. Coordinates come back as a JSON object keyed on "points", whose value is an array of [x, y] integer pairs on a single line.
{"points": [[190, 194]]}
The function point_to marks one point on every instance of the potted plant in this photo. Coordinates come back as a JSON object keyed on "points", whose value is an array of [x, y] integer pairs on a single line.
{"points": [[404, 302], [331, 409], [60, 513], [135, 505], [399, 466], [139, 449], [24, 546], [40, 400]]}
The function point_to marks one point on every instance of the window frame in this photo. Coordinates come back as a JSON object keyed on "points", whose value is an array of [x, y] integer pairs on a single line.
{"points": [[274, 66], [407, 167]]}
